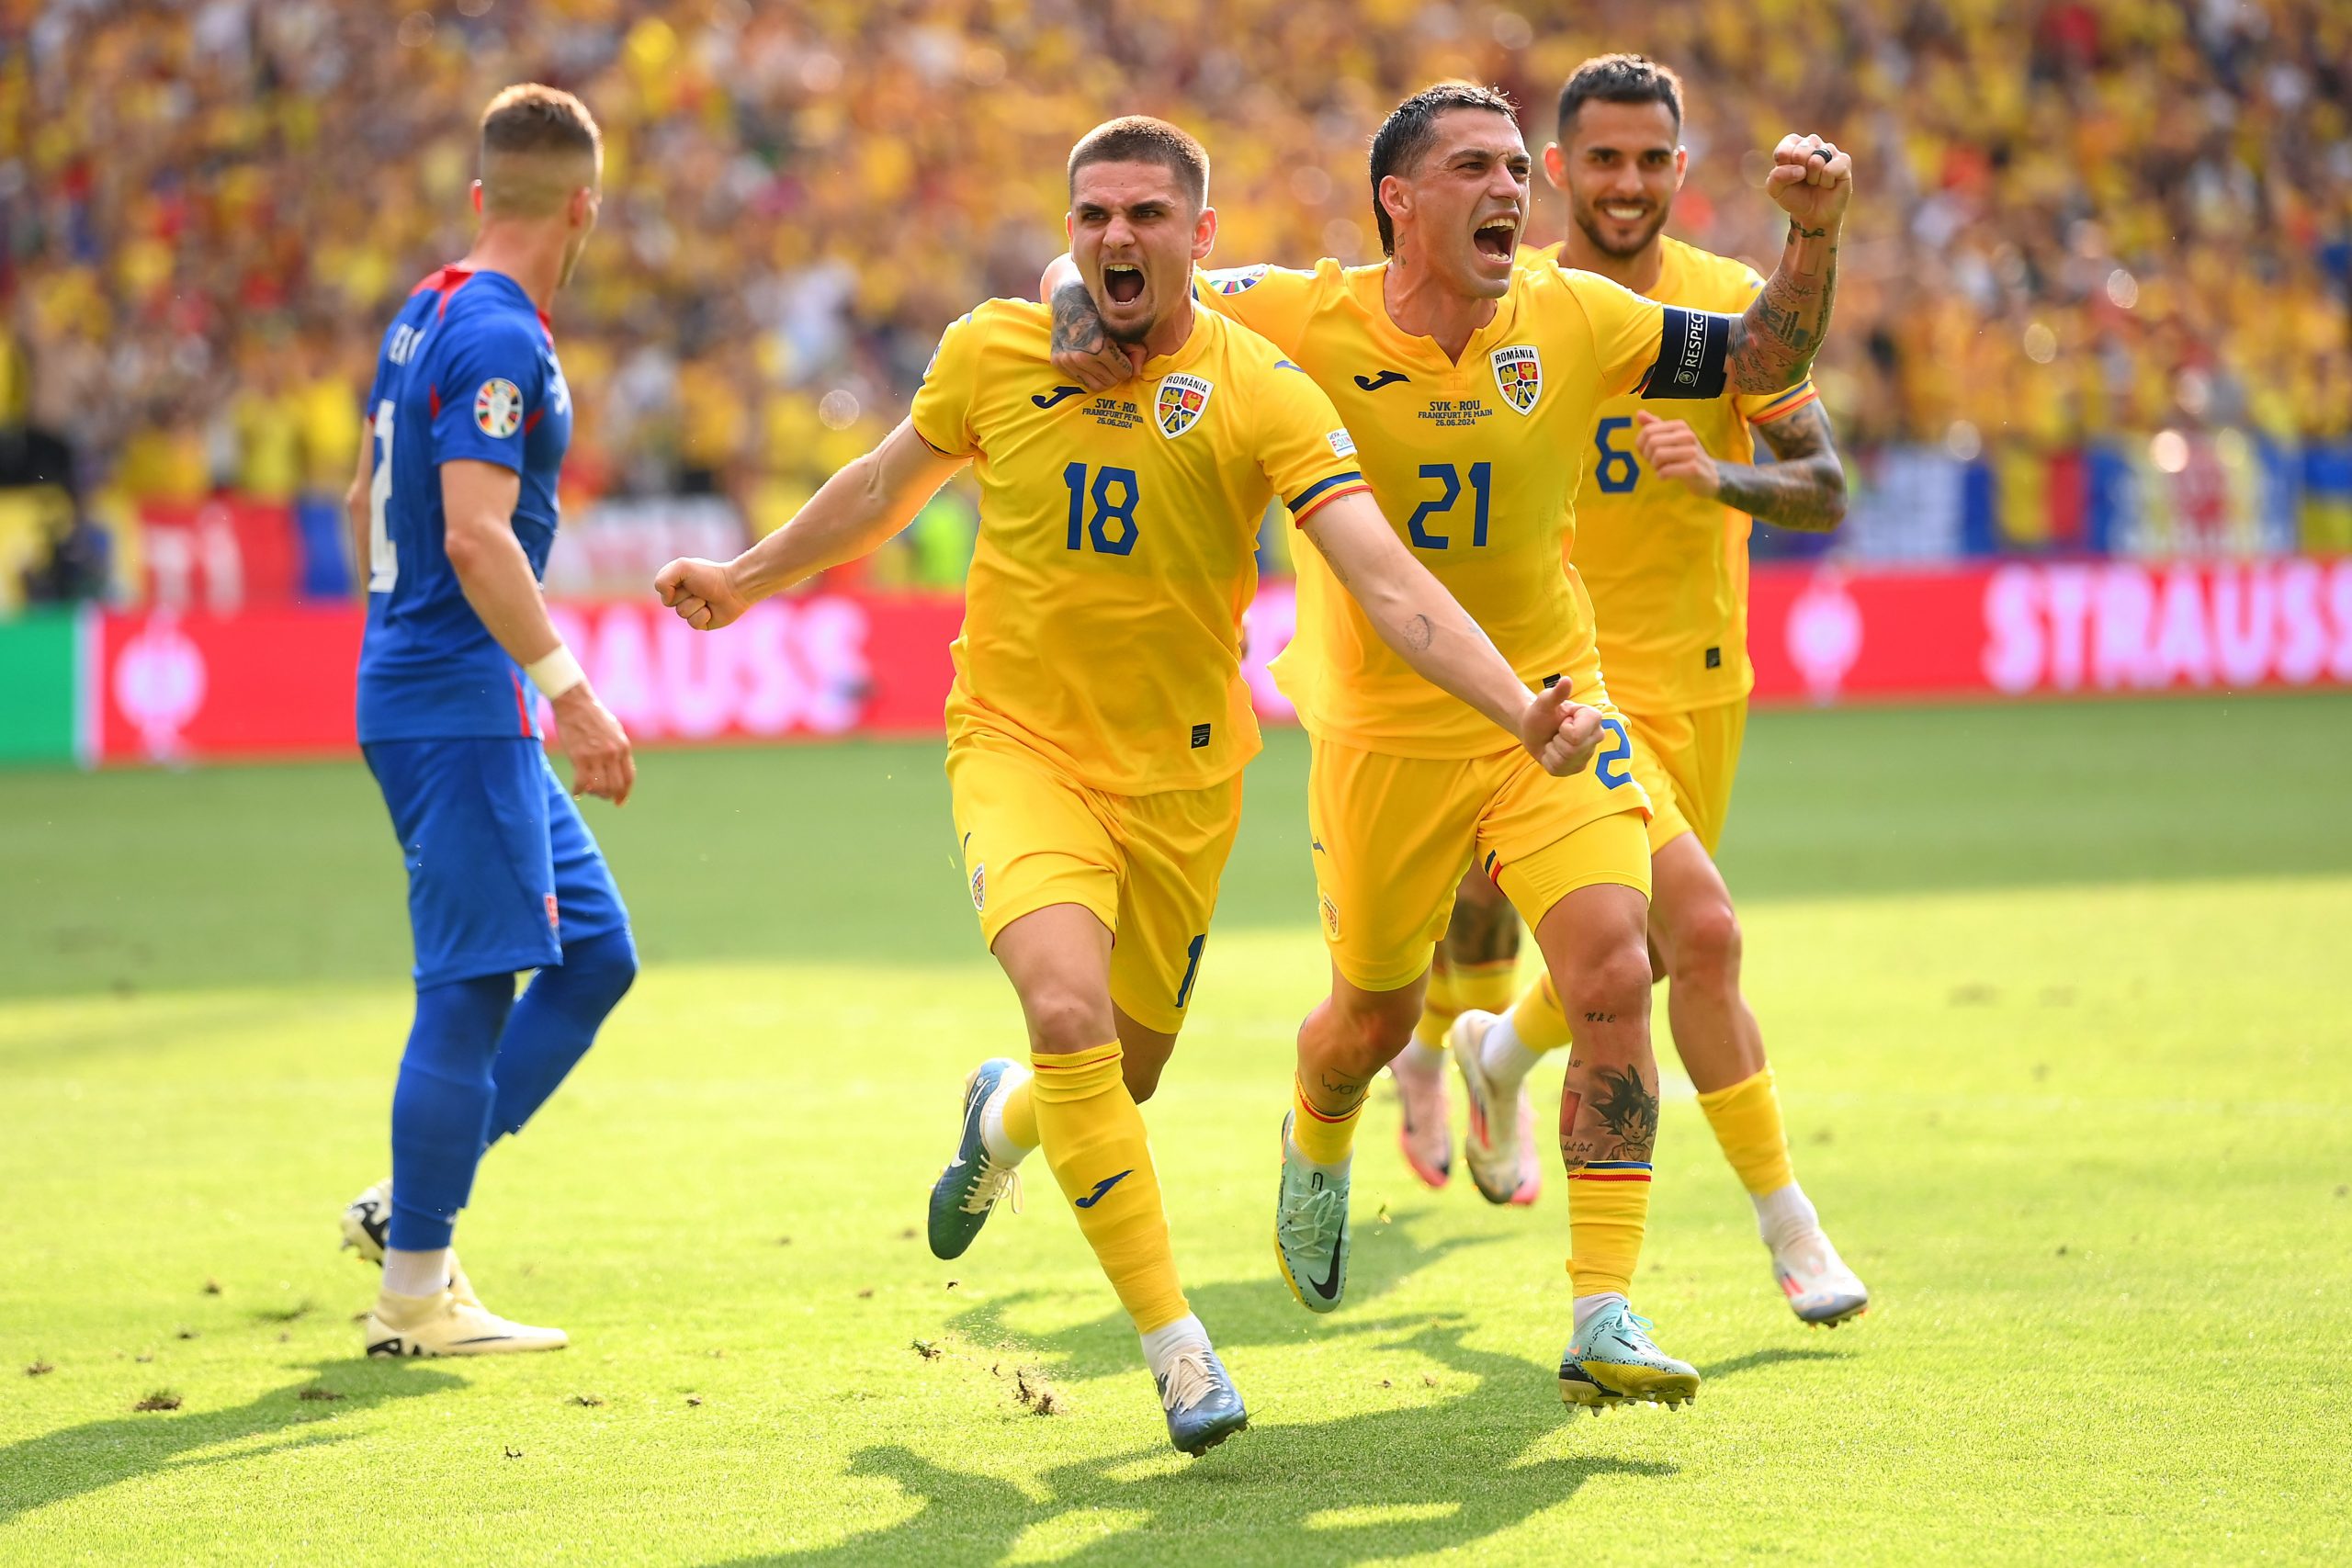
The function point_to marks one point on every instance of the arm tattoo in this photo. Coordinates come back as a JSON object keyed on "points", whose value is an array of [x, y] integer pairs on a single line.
{"points": [[1418, 633], [1805, 490], [1078, 325], [1773, 344]]}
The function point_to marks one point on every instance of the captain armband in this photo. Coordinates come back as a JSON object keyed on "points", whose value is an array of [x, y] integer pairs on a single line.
{"points": [[1693, 355]]}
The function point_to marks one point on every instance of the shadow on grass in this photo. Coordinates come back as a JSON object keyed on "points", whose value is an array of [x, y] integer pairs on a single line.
{"points": [[1239, 1313], [75, 1459], [1378, 1483], [1754, 1359]]}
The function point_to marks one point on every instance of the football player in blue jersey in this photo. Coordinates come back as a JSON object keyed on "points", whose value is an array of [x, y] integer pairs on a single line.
{"points": [[454, 506]]}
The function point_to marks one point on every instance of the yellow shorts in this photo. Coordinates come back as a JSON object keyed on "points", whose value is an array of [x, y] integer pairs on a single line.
{"points": [[1393, 835], [1146, 865], [1687, 762]]}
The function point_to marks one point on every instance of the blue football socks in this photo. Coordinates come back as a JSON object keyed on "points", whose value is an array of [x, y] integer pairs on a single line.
{"points": [[553, 1024], [441, 1106]]}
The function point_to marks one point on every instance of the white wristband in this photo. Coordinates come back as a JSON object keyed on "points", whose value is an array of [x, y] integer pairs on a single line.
{"points": [[555, 674]]}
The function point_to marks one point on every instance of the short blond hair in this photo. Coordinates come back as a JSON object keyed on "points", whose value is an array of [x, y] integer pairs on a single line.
{"points": [[534, 140]]}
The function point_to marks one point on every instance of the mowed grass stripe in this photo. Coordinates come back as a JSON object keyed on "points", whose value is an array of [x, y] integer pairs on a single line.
{"points": [[143, 880], [2052, 1125]]}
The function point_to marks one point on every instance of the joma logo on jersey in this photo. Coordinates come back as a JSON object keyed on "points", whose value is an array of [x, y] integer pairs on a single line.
{"points": [[1519, 375], [1182, 399]]}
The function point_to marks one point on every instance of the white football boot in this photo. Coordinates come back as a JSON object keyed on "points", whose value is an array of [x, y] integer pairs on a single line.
{"points": [[443, 1325]]}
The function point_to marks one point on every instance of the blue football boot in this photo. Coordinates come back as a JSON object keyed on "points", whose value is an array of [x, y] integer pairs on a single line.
{"points": [[974, 1179], [1203, 1408]]}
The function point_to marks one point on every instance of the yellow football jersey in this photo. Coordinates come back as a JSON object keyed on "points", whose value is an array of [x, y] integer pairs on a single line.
{"points": [[1474, 461], [1667, 567], [1117, 540]]}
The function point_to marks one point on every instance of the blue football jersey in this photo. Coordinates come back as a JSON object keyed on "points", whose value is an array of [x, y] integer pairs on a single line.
{"points": [[468, 370]]}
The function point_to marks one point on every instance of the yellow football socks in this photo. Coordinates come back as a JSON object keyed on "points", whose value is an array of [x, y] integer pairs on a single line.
{"points": [[1439, 1010], [1020, 1114], [1458, 988], [1093, 1138], [1485, 988], [1540, 1021], [1609, 1210], [1322, 1137], [1746, 1119]]}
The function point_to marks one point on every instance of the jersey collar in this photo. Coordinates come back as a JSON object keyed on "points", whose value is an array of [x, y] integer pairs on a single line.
{"points": [[1371, 298], [1196, 344]]}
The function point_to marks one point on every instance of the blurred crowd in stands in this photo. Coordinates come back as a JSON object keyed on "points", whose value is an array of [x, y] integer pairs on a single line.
{"points": [[2077, 221]]}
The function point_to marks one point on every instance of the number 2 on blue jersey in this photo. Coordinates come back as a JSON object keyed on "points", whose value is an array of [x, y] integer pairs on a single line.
{"points": [[383, 557]]}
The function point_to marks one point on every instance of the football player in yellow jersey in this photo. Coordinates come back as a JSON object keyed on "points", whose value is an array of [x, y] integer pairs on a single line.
{"points": [[1662, 527], [1474, 388], [1099, 722]]}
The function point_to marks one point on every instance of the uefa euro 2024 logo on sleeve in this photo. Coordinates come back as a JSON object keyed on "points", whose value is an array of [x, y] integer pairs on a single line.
{"points": [[1519, 375], [498, 408], [1182, 399]]}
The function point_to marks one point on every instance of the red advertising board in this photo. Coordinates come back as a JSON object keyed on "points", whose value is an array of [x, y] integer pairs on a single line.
{"points": [[2050, 629], [279, 682], [266, 683], [220, 554]]}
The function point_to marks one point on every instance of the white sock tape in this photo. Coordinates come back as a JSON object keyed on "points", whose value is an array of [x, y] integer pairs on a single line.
{"points": [[555, 674]]}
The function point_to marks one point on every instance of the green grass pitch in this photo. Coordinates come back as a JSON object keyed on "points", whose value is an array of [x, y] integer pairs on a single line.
{"points": [[2059, 997]]}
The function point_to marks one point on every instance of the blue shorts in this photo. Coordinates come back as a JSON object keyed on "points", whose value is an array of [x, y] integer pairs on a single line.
{"points": [[501, 873]]}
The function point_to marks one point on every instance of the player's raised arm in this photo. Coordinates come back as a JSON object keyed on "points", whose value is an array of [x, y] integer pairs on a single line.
{"points": [[1415, 616], [1773, 345], [857, 509]]}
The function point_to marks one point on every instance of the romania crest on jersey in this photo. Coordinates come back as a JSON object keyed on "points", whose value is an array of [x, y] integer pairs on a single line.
{"points": [[1182, 399], [1519, 375]]}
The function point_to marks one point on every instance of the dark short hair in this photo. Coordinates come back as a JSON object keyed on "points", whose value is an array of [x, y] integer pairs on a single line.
{"points": [[1406, 137], [529, 118], [1139, 138], [1621, 79]]}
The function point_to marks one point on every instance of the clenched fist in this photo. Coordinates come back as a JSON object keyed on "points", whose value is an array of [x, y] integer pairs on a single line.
{"points": [[1812, 180], [1672, 451], [1559, 733], [702, 591]]}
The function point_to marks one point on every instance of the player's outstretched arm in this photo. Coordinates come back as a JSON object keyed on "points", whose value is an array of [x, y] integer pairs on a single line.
{"points": [[478, 504], [1773, 344], [1805, 490], [1414, 614], [859, 507]]}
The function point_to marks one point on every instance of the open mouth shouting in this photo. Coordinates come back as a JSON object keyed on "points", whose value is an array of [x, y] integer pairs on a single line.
{"points": [[1497, 236], [1123, 281]]}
